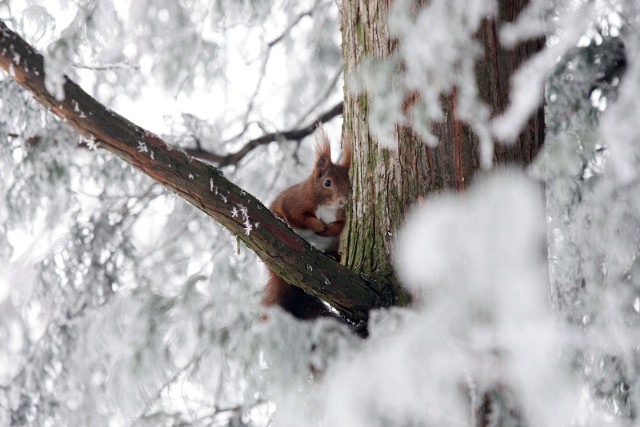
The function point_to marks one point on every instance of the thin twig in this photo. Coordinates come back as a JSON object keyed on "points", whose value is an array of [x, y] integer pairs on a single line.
{"points": [[170, 382], [222, 160], [263, 68], [106, 67], [321, 99]]}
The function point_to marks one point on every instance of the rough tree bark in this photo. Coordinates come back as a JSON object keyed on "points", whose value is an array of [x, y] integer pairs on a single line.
{"points": [[199, 183], [386, 184]]}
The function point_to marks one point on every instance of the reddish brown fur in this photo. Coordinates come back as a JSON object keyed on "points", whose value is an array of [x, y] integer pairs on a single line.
{"points": [[293, 299], [346, 155], [297, 206]]}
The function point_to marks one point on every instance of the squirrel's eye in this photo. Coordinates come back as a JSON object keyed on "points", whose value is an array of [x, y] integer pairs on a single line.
{"points": [[327, 183]]}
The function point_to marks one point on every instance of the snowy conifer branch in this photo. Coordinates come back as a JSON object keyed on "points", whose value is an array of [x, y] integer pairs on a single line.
{"points": [[199, 183]]}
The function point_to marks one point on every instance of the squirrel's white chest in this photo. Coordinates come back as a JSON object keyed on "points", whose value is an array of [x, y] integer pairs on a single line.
{"points": [[327, 213]]}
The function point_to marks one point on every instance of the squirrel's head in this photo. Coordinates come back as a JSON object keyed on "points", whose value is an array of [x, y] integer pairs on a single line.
{"points": [[330, 180]]}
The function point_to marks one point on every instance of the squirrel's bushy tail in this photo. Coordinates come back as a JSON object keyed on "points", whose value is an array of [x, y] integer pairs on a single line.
{"points": [[293, 299]]}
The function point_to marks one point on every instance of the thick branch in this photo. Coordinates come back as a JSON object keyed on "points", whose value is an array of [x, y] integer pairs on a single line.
{"points": [[222, 160], [199, 183]]}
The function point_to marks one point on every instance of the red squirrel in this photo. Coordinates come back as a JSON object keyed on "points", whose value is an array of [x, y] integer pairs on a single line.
{"points": [[315, 210]]}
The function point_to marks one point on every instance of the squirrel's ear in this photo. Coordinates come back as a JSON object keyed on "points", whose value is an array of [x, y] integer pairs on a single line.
{"points": [[323, 152], [346, 154], [322, 164], [319, 171]]}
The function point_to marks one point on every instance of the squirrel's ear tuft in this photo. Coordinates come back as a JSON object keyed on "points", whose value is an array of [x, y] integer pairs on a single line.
{"points": [[346, 154], [323, 152]]}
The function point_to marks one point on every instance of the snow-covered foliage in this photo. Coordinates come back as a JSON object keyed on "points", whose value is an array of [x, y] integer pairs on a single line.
{"points": [[428, 69], [122, 305]]}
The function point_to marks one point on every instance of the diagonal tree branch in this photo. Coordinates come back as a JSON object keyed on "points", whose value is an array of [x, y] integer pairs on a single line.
{"points": [[200, 184]]}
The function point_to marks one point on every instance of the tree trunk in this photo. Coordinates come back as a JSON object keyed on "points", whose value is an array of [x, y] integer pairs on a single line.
{"points": [[386, 183]]}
